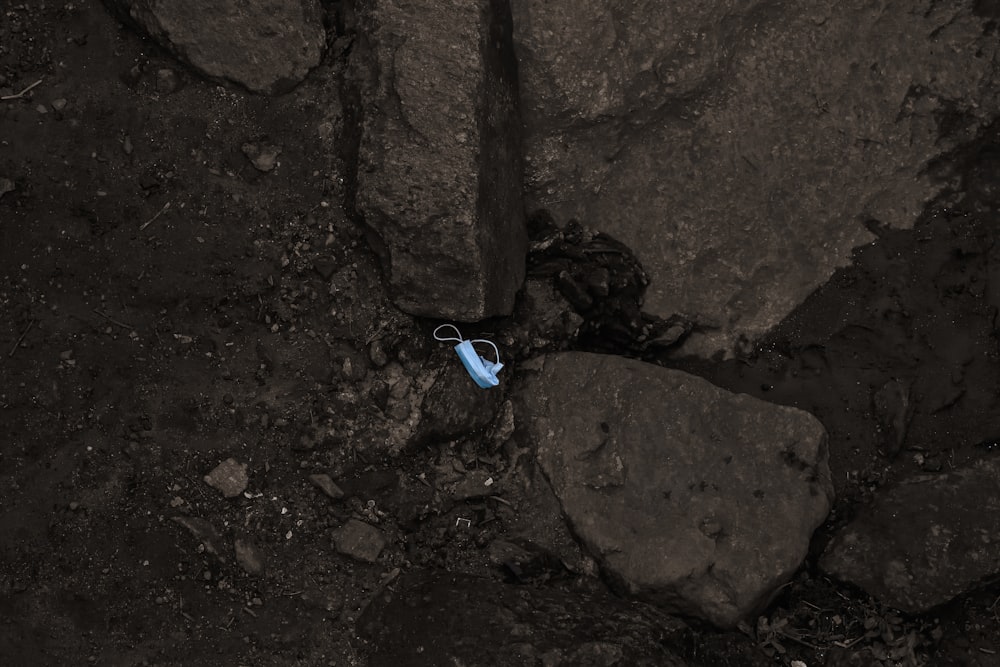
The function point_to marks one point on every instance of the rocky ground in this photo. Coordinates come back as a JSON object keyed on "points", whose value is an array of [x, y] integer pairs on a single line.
{"points": [[223, 443]]}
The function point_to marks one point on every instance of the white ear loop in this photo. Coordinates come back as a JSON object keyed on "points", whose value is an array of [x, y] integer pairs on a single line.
{"points": [[459, 339]]}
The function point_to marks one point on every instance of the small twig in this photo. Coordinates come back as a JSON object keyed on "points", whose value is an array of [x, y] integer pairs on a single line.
{"points": [[850, 643], [21, 338], [795, 639], [501, 500], [250, 611], [17, 96], [112, 320], [158, 214]]}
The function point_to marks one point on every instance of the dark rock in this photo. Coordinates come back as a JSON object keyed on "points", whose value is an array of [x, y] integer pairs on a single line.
{"points": [[548, 317], [249, 556], [476, 484], [267, 46], [924, 541], [377, 353], [687, 495], [327, 486], [205, 533], [359, 540], [439, 174], [263, 155], [455, 406], [735, 146], [574, 292], [454, 619]]}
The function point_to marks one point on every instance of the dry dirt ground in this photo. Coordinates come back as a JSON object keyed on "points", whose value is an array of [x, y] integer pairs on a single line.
{"points": [[168, 305]]}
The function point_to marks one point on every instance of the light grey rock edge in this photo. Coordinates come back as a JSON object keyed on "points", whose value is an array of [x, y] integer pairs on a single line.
{"points": [[439, 164], [266, 46]]}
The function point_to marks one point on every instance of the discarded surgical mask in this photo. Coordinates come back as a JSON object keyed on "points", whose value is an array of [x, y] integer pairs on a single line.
{"points": [[483, 371]]}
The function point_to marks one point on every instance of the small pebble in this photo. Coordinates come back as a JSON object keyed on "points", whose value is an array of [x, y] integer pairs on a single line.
{"points": [[359, 540], [166, 81], [249, 556], [376, 352], [325, 484], [264, 157], [230, 477], [59, 104]]}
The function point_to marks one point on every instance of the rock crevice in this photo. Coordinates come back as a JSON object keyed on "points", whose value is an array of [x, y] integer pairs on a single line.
{"points": [[439, 163]]}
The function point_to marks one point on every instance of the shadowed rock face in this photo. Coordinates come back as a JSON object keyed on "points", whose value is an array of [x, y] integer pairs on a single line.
{"points": [[439, 165], [739, 147], [267, 46], [688, 496], [925, 541]]}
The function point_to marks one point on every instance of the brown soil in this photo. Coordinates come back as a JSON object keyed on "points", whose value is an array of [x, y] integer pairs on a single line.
{"points": [[167, 305]]}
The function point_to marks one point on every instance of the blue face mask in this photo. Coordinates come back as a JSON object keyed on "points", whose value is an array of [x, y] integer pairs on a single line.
{"points": [[483, 371]]}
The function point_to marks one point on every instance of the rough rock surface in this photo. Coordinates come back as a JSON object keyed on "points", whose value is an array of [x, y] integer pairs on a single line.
{"points": [[249, 556], [230, 477], [739, 147], [439, 165], [925, 541], [454, 405], [687, 495], [359, 540], [267, 46], [501, 625]]}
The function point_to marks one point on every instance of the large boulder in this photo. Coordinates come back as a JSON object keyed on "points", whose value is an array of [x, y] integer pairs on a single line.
{"points": [[925, 541], [688, 496], [439, 165], [438, 619], [740, 147], [267, 46]]}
